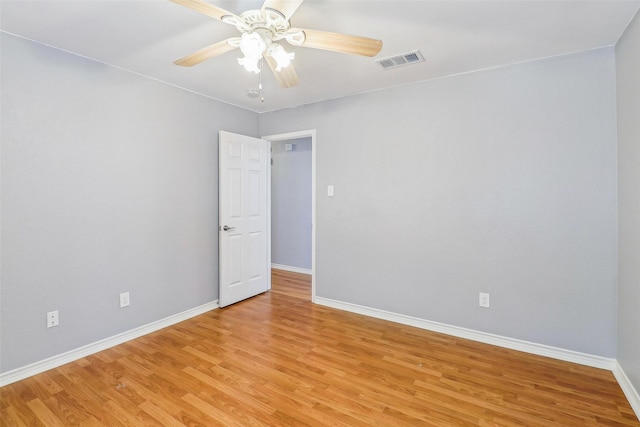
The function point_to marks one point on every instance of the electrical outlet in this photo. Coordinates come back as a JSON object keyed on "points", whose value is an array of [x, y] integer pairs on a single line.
{"points": [[124, 299], [52, 319], [484, 300]]}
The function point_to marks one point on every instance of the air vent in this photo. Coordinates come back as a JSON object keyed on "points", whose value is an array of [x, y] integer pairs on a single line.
{"points": [[414, 57]]}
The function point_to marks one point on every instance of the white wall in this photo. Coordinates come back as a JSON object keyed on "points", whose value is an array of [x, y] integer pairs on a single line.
{"points": [[109, 184], [499, 181], [628, 85], [291, 203]]}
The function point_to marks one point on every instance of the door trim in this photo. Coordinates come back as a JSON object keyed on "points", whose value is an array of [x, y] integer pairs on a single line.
{"points": [[310, 133]]}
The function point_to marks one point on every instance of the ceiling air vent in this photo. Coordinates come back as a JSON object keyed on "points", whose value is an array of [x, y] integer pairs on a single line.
{"points": [[414, 57]]}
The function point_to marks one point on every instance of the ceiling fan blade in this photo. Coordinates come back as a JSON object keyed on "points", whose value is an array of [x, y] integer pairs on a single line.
{"points": [[287, 77], [206, 53], [206, 8], [335, 42], [286, 7]]}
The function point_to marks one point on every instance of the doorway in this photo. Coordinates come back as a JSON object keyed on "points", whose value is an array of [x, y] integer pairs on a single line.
{"points": [[288, 215]]}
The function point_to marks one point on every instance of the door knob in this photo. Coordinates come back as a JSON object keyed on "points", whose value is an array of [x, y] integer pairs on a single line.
{"points": [[227, 228]]}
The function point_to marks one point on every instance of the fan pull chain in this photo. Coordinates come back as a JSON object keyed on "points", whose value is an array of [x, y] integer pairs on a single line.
{"points": [[260, 86]]}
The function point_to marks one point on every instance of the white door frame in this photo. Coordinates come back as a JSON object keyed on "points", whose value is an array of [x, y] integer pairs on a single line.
{"points": [[311, 133]]}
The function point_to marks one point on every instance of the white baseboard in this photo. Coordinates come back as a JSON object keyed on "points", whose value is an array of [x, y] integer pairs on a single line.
{"points": [[629, 391], [292, 269], [87, 350], [512, 343]]}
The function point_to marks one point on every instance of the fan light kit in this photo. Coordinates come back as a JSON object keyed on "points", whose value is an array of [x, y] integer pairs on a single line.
{"points": [[262, 32]]}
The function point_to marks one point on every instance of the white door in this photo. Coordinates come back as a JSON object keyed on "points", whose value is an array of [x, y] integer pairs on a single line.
{"points": [[244, 252]]}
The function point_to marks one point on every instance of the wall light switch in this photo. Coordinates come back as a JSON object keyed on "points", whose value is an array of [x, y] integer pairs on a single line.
{"points": [[330, 190]]}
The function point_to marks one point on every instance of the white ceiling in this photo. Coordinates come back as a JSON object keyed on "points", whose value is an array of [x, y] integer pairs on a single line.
{"points": [[454, 37]]}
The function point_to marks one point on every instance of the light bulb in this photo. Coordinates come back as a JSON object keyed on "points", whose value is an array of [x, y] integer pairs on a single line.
{"points": [[252, 46], [250, 64], [282, 57]]}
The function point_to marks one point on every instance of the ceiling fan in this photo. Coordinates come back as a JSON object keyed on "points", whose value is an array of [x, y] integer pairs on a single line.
{"points": [[263, 29]]}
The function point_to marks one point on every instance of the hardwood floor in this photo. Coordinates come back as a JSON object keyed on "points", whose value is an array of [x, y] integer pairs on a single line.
{"points": [[278, 360]]}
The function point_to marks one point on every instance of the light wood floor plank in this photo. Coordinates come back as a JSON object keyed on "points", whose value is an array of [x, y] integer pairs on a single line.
{"points": [[279, 360]]}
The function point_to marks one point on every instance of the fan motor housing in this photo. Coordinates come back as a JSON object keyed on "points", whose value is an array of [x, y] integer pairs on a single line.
{"points": [[270, 23]]}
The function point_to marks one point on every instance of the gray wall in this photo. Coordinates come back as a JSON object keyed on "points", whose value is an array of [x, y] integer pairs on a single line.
{"points": [[628, 70], [291, 204], [109, 184], [499, 181]]}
